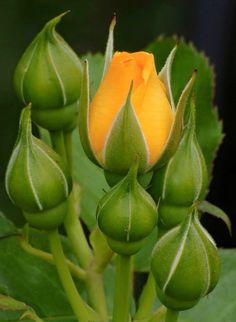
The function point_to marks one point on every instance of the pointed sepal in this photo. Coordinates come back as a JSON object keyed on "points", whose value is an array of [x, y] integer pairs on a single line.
{"points": [[165, 75], [83, 118], [207, 207], [109, 46], [177, 127], [125, 141]]}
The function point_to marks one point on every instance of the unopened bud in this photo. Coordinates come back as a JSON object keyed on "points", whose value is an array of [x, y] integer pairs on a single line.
{"points": [[185, 264], [183, 181], [127, 215], [48, 75], [37, 180]]}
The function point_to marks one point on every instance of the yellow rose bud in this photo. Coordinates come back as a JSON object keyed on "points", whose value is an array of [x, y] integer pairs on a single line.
{"points": [[132, 115], [148, 99]]}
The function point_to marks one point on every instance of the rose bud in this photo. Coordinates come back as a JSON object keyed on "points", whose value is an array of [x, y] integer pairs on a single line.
{"points": [[48, 75], [182, 181], [185, 264], [127, 215], [37, 180], [132, 114]]}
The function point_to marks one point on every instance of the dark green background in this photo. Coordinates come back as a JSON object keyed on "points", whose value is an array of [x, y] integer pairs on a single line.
{"points": [[208, 23]]}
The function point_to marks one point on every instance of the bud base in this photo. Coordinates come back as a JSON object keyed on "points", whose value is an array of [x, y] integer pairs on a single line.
{"points": [[47, 219], [64, 118], [175, 304], [125, 248]]}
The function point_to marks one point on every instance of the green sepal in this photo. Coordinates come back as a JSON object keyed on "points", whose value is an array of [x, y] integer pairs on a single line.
{"points": [[165, 76], [211, 253], [113, 178], [109, 46], [125, 142], [207, 207], [83, 118], [177, 127]]}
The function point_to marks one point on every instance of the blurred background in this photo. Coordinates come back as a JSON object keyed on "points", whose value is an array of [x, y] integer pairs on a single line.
{"points": [[209, 24]]}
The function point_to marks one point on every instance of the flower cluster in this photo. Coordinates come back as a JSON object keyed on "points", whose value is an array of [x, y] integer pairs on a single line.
{"points": [[131, 128]]}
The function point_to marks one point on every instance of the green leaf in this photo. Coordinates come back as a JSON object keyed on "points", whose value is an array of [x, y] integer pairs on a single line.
{"points": [[220, 305], [206, 206], [31, 280], [7, 228], [187, 58], [6, 206]]}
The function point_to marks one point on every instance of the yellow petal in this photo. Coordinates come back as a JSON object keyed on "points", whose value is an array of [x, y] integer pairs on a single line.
{"points": [[112, 93], [154, 114]]}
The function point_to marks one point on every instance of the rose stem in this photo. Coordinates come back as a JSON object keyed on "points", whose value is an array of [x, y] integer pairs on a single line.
{"points": [[121, 303]]}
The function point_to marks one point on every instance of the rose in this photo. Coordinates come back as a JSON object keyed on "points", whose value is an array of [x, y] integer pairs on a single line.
{"points": [[132, 115], [151, 111]]}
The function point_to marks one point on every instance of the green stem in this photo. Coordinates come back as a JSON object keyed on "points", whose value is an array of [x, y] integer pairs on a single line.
{"points": [[76, 234], [74, 269], [146, 300], [79, 307], [96, 294], [94, 281], [82, 250], [57, 139], [121, 304], [171, 316]]}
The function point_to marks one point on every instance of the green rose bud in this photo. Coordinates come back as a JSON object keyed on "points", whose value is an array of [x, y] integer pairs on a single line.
{"points": [[126, 215], [182, 181], [185, 264], [48, 75], [37, 181]]}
